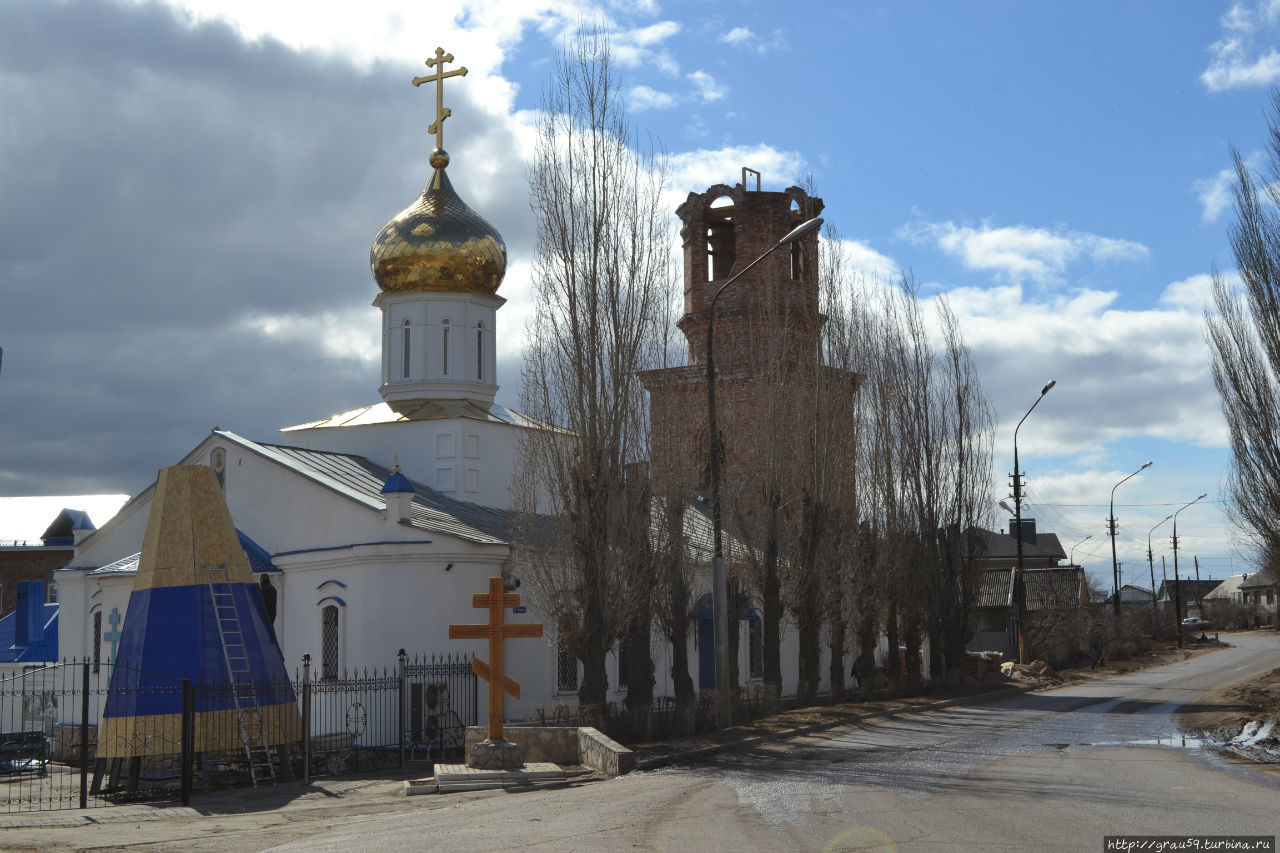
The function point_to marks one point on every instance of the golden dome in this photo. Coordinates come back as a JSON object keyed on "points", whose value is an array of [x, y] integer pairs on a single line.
{"points": [[438, 244]]}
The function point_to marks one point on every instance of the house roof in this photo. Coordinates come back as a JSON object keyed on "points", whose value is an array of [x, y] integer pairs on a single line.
{"points": [[1002, 546], [1228, 587], [1187, 588], [1048, 587], [1262, 579], [1131, 592], [62, 530], [42, 651]]}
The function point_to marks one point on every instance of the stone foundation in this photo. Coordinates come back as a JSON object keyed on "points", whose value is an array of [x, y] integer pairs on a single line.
{"points": [[494, 755], [564, 745]]}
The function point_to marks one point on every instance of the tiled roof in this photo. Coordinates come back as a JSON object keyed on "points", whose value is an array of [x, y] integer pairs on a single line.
{"points": [[1062, 586], [995, 588]]}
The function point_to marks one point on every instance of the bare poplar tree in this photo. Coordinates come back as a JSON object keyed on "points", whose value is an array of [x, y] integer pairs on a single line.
{"points": [[600, 276], [1242, 328]]}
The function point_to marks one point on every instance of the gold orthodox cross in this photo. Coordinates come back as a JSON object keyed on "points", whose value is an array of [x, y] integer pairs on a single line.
{"points": [[496, 602], [442, 112]]}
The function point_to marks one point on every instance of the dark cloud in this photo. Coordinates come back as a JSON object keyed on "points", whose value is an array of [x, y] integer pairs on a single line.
{"points": [[163, 185]]}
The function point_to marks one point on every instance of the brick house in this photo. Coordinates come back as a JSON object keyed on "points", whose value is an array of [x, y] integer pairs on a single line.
{"points": [[36, 561]]}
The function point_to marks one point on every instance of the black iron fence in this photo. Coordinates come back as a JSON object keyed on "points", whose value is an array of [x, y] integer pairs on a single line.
{"points": [[79, 734]]}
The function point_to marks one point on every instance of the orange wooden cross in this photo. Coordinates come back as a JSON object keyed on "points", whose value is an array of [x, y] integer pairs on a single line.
{"points": [[496, 601]]}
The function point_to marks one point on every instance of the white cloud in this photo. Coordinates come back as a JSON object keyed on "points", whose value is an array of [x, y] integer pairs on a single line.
{"points": [[638, 47], [1021, 253], [1215, 193], [1191, 293], [705, 167], [646, 98], [708, 88], [1241, 59], [863, 260], [354, 335], [744, 38], [25, 518]]}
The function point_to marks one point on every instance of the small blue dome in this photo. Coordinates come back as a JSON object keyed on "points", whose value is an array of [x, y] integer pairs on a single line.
{"points": [[397, 482]]}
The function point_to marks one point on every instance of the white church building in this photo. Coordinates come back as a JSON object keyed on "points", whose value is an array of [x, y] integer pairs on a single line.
{"points": [[363, 569]]}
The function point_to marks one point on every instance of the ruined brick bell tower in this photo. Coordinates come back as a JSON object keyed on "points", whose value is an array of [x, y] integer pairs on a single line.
{"points": [[767, 325]]}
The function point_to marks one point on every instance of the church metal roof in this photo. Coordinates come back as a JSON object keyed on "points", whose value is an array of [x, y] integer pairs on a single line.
{"points": [[381, 413], [361, 480]]}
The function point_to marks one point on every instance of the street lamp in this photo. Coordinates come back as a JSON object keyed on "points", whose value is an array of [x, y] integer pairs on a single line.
{"points": [[1115, 567], [719, 582], [1177, 584], [1019, 584], [1072, 559], [1151, 564]]}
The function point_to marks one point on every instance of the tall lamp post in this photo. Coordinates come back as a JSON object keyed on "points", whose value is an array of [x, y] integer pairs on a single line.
{"points": [[1111, 521], [719, 581], [1020, 585], [1072, 559], [1177, 584], [1151, 564]]}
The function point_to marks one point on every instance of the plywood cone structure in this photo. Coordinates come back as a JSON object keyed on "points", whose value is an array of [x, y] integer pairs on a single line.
{"points": [[172, 632]]}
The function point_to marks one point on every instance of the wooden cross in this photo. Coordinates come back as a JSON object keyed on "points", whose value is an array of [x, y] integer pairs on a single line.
{"points": [[496, 601], [442, 112]]}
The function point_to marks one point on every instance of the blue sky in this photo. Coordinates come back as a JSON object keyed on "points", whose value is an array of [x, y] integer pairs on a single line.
{"points": [[191, 189]]}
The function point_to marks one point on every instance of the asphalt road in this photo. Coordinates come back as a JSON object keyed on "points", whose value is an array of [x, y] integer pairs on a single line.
{"points": [[1057, 770]]}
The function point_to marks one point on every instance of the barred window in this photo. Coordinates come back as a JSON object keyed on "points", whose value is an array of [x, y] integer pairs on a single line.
{"points": [[755, 648], [97, 640], [566, 671], [329, 642]]}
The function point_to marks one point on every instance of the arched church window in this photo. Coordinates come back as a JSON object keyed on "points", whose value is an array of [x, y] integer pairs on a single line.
{"points": [[97, 640], [444, 347], [480, 351], [329, 642], [406, 348], [721, 251]]}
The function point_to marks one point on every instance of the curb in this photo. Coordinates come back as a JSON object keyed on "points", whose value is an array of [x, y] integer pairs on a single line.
{"points": [[691, 755]]}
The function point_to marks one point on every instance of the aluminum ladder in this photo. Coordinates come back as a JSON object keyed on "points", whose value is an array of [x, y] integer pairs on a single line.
{"points": [[253, 730]]}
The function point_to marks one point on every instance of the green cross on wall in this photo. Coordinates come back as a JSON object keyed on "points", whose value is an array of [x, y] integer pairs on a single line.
{"points": [[113, 636]]}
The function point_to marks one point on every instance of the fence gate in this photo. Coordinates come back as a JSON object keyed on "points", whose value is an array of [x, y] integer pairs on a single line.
{"points": [[440, 702]]}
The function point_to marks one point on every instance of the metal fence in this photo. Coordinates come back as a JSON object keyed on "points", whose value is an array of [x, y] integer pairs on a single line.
{"points": [[79, 734]]}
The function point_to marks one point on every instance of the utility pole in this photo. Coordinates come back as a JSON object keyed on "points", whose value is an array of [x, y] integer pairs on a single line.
{"points": [[1177, 585], [1115, 566], [1019, 579]]}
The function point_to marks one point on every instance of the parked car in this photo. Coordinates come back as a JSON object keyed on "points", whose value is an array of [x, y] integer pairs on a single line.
{"points": [[1195, 624]]}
